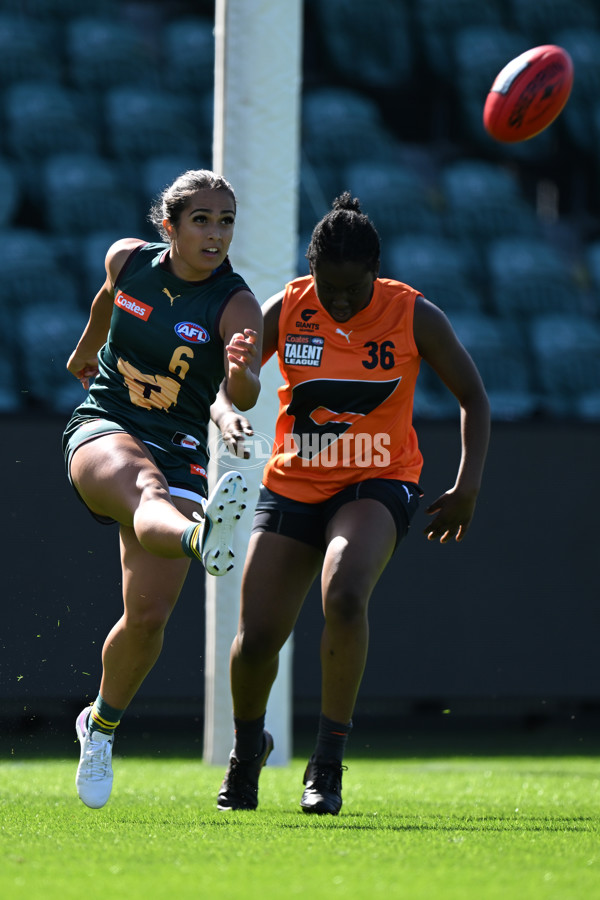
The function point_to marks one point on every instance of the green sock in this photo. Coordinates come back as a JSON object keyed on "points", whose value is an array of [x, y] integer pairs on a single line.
{"points": [[104, 717], [190, 540]]}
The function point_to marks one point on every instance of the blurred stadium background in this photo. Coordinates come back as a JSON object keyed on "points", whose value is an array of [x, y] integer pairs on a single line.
{"points": [[100, 109]]}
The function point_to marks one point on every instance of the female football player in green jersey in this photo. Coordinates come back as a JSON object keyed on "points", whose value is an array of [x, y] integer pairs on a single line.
{"points": [[170, 323]]}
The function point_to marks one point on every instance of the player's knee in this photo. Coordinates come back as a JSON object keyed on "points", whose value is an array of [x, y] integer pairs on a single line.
{"points": [[257, 645], [150, 484], [346, 604], [150, 620]]}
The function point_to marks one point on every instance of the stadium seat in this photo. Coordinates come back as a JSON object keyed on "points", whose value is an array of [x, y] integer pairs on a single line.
{"points": [[143, 122], [11, 398], [9, 192], [93, 248], [394, 196], [57, 327], [577, 118], [188, 51], [58, 10], [437, 266], [529, 276], [587, 406], [317, 188], [500, 352], [342, 126], [24, 52], [373, 51], [438, 22], [45, 117], [483, 202], [340, 104], [30, 273], [539, 20], [474, 181], [592, 259], [432, 400], [566, 348], [85, 192], [157, 172], [103, 52], [480, 52]]}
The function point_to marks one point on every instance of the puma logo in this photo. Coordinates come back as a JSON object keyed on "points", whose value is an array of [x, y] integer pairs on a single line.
{"points": [[343, 333], [170, 296]]}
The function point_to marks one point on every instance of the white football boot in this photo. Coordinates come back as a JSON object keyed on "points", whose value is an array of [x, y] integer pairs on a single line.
{"points": [[94, 777], [223, 510]]}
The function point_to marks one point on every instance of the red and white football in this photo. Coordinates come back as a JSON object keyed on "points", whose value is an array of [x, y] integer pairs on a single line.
{"points": [[528, 94]]}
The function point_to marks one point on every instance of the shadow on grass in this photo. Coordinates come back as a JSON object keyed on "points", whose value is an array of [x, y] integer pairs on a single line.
{"points": [[393, 821], [459, 823]]}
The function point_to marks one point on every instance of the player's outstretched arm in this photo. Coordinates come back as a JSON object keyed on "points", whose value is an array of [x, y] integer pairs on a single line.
{"points": [[83, 362], [439, 346]]}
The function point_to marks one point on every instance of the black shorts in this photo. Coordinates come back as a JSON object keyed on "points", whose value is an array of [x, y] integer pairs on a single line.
{"points": [[307, 522]]}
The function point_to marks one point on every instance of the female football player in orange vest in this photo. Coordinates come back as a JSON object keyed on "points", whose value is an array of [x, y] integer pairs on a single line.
{"points": [[342, 483], [170, 322]]}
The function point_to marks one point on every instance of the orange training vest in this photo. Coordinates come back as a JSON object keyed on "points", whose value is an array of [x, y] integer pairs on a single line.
{"points": [[345, 412]]}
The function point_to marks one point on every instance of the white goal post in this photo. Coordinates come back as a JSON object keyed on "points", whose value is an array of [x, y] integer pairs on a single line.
{"points": [[256, 146]]}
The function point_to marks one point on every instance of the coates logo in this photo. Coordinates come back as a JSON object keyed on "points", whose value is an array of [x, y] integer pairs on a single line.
{"points": [[133, 306], [305, 322], [192, 333]]}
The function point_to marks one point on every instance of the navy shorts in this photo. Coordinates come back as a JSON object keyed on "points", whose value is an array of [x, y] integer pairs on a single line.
{"points": [[307, 522]]}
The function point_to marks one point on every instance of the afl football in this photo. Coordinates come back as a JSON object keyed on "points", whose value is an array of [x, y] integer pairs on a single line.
{"points": [[528, 94]]}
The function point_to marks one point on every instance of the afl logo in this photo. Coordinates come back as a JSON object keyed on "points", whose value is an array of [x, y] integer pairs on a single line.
{"points": [[194, 334]]}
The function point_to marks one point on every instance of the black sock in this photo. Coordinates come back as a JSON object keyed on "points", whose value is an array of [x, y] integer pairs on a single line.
{"points": [[331, 738], [249, 737]]}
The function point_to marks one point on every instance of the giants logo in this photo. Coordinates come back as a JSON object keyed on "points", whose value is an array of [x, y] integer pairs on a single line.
{"points": [[133, 306], [304, 321], [341, 405]]}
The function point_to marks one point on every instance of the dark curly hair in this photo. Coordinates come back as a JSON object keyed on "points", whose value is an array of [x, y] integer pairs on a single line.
{"points": [[345, 234], [173, 200]]}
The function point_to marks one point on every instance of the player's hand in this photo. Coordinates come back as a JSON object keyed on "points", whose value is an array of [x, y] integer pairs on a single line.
{"points": [[241, 350], [83, 368], [453, 512], [235, 428]]}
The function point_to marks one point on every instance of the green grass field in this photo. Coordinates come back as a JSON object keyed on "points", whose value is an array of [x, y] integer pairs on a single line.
{"points": [[456, 827]]}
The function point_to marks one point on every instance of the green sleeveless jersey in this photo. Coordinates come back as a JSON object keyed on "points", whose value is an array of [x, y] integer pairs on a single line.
{"points": [[162, 363]]}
